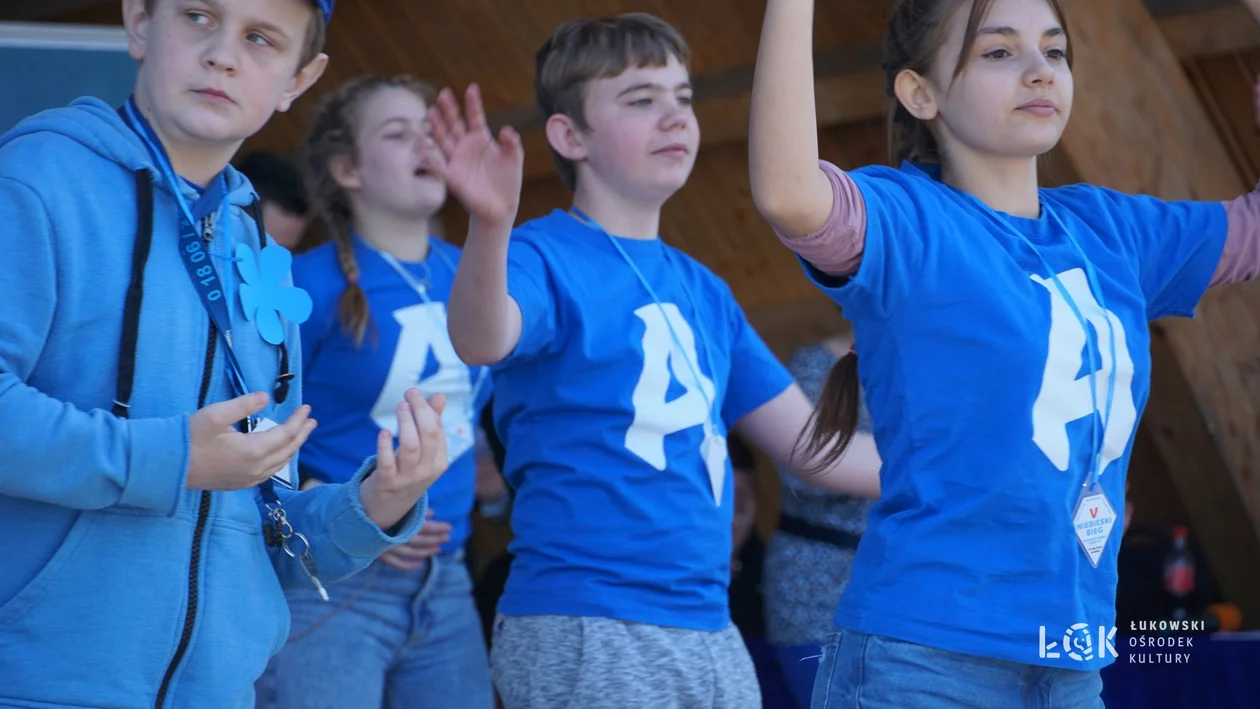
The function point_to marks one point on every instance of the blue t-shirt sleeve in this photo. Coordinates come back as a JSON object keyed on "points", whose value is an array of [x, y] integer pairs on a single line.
{"points": [[756, 376], [893, 255], [1177, 246], [530, 285]]}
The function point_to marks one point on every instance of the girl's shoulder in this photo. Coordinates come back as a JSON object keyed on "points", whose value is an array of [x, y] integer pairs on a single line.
{"points": [[318, 272]]}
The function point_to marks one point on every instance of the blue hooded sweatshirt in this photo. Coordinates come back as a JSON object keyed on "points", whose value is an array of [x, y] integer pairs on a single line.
{"points": [[119, 587]]}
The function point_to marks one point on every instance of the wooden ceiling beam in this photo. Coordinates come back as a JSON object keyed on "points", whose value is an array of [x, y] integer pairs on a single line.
{"points": [[1215, 31], [1137, 126], [35, 10], [850, 83]]}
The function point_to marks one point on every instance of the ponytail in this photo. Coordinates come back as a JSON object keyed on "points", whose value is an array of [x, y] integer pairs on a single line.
{"points": [[352, 307], [834, 420]]}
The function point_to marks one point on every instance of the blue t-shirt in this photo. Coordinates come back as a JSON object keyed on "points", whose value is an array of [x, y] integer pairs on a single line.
{"points": [[976, 374], [353, 390], [602, 422]]}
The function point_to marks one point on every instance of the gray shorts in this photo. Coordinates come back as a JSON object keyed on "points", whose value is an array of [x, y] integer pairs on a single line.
{"points": [[567, 662]]}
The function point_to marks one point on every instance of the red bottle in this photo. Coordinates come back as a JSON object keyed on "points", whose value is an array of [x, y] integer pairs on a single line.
{"points": [[1179, 573]]}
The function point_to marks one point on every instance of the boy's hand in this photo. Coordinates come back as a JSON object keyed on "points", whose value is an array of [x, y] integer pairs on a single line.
{"points": [[400, 479], [484, 174], [413, 553], [223, 458]]}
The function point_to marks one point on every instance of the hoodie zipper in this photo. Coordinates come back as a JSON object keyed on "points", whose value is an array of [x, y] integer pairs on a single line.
{"points": [[203, 515]]}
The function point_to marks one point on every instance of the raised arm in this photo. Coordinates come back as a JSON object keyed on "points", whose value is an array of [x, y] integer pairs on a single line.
{"points": [[814, 207], [1240, 259], [484, 321], [788, 187], [485, 174]]}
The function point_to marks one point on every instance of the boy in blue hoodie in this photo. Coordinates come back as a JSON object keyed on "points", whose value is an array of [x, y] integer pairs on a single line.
{"points": [[145, 539]]}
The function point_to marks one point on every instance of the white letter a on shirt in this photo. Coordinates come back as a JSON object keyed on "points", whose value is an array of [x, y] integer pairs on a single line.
{"points": [[1064, 397]]}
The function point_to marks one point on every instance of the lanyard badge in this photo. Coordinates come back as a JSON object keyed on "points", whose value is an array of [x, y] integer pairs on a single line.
{"points": [[1093, 516], [713, 449], [195, 232]]}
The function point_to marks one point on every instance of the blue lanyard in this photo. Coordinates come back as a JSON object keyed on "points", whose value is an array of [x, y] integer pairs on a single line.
{"points": [[1095, 443], [700, 338], [204, 276], [423, 291]]}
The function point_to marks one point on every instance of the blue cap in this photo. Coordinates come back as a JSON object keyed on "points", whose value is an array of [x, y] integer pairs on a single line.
{"points": [[326, 7]]}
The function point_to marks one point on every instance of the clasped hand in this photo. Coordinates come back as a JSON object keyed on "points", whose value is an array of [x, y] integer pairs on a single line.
{"points": [[223, 458]]}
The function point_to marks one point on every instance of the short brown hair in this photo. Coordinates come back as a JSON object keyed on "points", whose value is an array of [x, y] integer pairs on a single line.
{"points": [[313, 44], [581, 51]]}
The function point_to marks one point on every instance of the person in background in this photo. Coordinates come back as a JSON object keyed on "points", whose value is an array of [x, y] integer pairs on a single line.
{"points": [[811, 555], [494, 497], [747, 601], [747, 547], [406, 632], [285, 210]]}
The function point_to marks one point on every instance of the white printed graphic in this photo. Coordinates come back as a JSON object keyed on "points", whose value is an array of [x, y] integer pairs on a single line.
{"points": [[1065, 395], [1079, 644], [655, 418], [423, 331]]}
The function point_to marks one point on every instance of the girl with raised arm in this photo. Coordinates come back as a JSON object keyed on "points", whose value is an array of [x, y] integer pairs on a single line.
{"points": [[1005, 351]]}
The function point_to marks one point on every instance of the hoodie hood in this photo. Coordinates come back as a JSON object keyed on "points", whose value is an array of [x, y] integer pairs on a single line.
{"points": [[98, 126]]}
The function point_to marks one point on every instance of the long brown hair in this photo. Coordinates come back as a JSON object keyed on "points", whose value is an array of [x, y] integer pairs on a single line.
{"points": [[915, 37], [332, 135], [916, 34]]}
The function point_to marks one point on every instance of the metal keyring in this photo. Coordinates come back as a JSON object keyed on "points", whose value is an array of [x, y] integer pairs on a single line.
{"points": [[298, 535]]}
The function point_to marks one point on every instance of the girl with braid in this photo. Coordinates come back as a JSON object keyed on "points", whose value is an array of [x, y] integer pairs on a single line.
{"points": [[405, 632]]}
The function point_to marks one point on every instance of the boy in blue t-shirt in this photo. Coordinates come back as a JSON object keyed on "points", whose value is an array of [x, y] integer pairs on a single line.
{"points": [[146, 540], [620, 365]]}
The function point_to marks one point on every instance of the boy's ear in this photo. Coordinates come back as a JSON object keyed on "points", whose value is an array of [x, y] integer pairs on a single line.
{"points": [[136, 21], [303, 80], [566, 138]]}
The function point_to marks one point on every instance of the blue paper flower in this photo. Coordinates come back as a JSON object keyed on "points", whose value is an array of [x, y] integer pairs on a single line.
{"points": [[264, 297]]}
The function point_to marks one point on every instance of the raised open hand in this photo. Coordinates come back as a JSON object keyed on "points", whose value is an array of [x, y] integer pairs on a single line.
{"points": [[402, 476], [483, 173]]}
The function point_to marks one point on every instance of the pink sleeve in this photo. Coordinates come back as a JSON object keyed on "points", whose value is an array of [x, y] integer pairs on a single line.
{"points": [[1240, 260], [836, 248]]}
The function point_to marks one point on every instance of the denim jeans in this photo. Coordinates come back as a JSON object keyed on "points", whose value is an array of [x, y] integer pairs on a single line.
{"points": [[874, 672], [799, 664], [388, 638]]}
